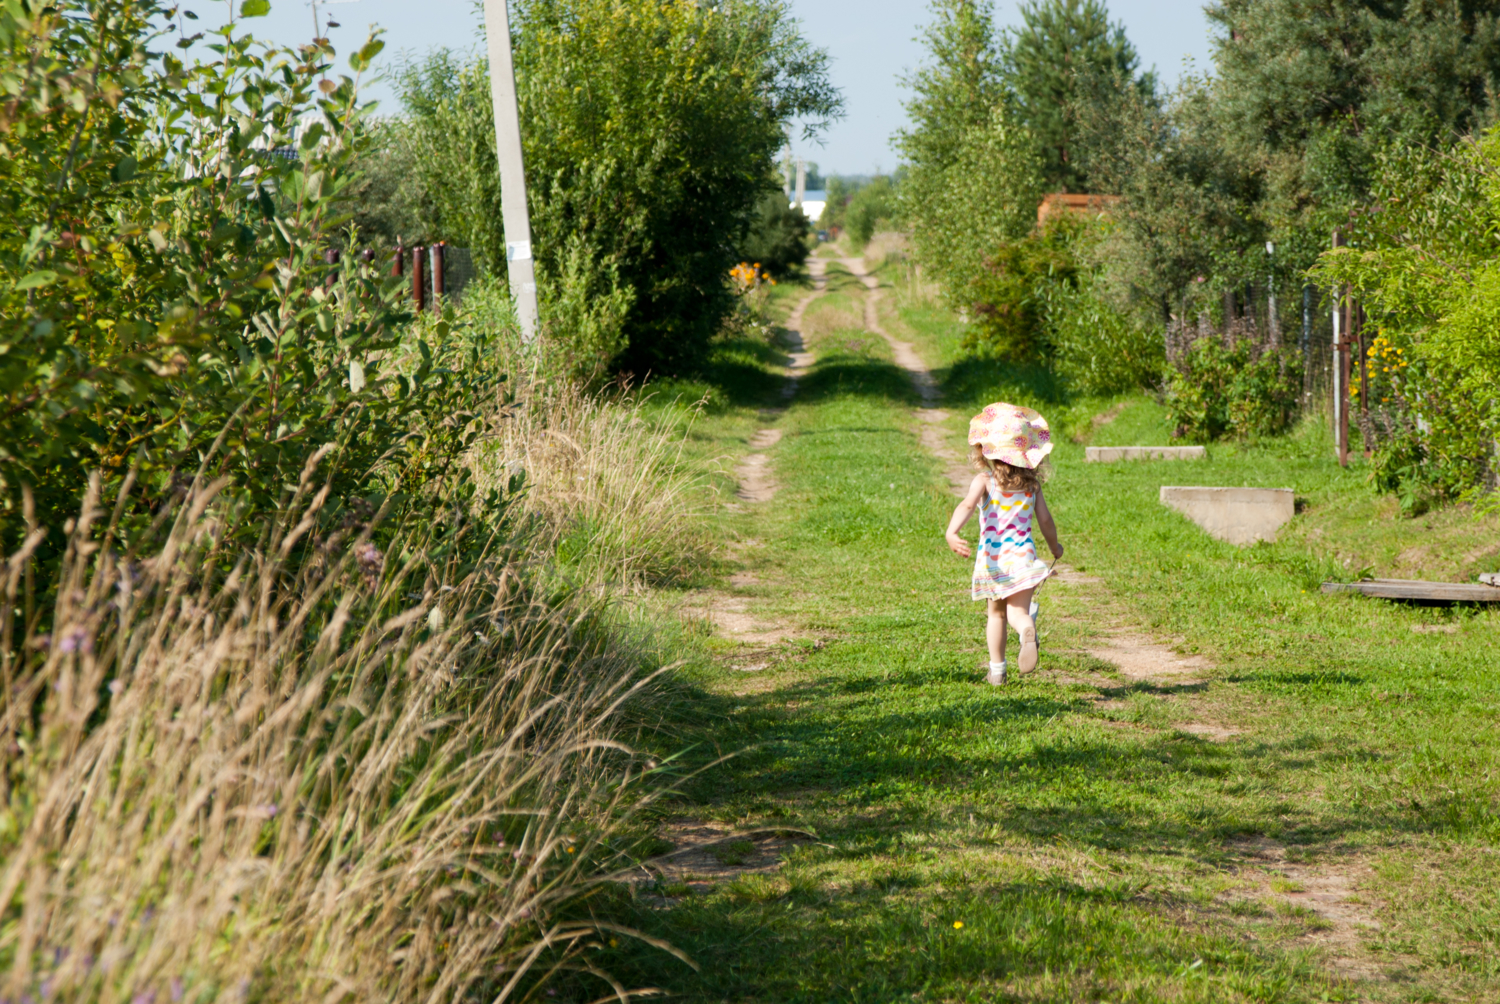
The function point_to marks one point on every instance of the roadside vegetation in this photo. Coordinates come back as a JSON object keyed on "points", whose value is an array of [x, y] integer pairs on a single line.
{"points": [[321, 673], [1209, 275], [1096, 831]]}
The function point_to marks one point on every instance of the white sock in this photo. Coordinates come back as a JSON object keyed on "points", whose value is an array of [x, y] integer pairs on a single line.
{"points": [[997, 667]]}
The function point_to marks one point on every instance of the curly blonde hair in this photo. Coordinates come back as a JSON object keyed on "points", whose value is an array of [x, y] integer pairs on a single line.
{"points": [[1010, 477]]}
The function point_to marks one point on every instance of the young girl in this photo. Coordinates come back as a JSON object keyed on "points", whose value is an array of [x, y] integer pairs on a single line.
{"points": [[1008, 444]]}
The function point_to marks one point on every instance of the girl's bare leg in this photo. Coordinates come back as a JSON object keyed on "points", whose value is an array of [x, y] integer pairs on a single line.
{"points": [[1018, 612], [994, 629]]}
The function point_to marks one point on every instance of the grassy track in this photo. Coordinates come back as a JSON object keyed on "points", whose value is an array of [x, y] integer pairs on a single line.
{"points": [[1076, 836]]}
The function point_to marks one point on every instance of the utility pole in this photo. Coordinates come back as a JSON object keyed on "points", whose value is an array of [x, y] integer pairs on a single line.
{"points": [[519, 265]]}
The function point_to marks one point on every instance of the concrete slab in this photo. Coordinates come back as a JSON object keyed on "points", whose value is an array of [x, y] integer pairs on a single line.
{"points": [[1490, 578], [1112, 454], [1237, 515]]}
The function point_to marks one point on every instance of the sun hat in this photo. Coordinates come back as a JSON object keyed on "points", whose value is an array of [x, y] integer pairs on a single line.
{"points": [[1019, 436]]}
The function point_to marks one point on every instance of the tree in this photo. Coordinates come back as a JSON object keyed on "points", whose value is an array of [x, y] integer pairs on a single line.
{"points": [[952, 94], [1311, 90], [651, 133], [1047, 63]]}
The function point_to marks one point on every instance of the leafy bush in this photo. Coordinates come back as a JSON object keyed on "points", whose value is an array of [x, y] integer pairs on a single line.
{"points": [[778, 237], [1098, 348], [1423, 266], [1010, 297], [1216, 391], [869, 207], [650, 130], [166, 284]]}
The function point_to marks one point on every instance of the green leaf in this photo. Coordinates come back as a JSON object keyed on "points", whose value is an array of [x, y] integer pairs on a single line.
{"points": [[124, 170], [45, 277], [356, 376], [255, 8], [361, 60]]}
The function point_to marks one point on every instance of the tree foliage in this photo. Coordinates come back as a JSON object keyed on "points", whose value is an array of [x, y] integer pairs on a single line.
{"points": [[1050, 63], [166, 285], [778, 237], [650, 131]]}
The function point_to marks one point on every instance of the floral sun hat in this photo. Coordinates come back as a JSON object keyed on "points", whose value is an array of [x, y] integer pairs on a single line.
{"points": [[1019, 436]]}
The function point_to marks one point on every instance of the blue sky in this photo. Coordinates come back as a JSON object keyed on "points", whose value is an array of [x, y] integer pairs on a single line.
{"points": [[873, 43]]}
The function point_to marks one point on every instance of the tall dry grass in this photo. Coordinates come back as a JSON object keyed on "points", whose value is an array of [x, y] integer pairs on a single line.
{"points": [[607, 484], [330, 770]]}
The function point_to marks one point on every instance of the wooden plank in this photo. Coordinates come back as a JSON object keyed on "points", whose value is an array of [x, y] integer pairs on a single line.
{"points": [[1417, 589]]}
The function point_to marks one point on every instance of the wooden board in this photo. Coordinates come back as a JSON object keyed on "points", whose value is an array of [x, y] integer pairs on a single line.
{"points": [[1416, 589]]}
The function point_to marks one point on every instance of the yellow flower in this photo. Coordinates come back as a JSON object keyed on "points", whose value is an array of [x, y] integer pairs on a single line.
{"points": [[958, 925]]}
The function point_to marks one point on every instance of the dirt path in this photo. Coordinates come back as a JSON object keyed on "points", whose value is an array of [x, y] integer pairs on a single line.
{"points": [[756, 483], [958, 473], [1266, 872]]}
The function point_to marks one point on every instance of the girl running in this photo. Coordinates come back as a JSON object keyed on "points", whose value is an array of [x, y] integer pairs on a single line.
{"points": [[1009, 446]]}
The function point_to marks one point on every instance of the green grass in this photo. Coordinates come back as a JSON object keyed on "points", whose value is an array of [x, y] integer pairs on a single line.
{"points": [[1090, 849]]}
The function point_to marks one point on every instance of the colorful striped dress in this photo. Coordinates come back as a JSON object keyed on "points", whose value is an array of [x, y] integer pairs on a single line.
{"points": [[1005, 561]]}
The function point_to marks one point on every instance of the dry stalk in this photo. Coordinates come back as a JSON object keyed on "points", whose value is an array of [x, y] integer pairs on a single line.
{"points": [[284, 776]]}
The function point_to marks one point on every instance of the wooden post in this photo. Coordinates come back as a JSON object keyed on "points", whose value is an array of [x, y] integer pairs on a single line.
{"points": [[418, 293], [1341, 367], [439, 282], [399, 261], [1357, 328], [515, 216]]}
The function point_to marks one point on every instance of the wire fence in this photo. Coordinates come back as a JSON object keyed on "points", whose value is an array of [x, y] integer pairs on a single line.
{"points": [[1258, 316]]}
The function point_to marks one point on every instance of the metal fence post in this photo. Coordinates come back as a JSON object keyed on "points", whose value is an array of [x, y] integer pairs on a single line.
{"points": [[418, 293], [439, 283], [1340, 367], [398, 263]]}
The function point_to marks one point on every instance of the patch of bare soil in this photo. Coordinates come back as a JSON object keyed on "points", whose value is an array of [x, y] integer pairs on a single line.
{"points": [[705, 853], [756, 483], [1331, 892], [730, 617], [931, 435], [1139, 658], [753, 473], [1099, 421]]}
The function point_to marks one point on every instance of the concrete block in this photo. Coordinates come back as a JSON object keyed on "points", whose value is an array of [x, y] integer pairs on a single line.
{"points": [[1490, 578], [1238, 515], [1110, 454]]}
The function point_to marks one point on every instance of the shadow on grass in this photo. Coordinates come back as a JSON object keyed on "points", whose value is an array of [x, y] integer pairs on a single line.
{"points": [[974, 382]]}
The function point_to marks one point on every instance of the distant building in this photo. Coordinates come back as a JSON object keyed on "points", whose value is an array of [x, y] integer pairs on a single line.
{"points": [[1071, 204], [813, 203]]}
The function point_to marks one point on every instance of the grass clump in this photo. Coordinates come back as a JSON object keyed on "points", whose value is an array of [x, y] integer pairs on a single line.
{"points": [[372, 764], [607, 489]]}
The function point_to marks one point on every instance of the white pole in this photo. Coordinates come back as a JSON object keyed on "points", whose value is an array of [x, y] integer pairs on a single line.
{"points": [[514, 215]]}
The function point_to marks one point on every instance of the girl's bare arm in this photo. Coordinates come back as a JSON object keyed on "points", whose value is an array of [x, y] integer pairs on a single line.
{"points": [[961, 515], [1048, 527]]}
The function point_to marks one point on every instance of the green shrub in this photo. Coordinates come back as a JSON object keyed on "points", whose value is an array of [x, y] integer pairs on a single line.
{"points": [[1010, 295], [869, 207], [166, 288], [1216, 392], [650, 130], [1096, 347], [778, 237]]}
